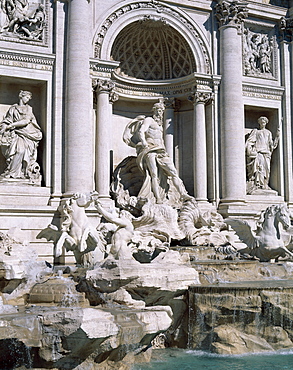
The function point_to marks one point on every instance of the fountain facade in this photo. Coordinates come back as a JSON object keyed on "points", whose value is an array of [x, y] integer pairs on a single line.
{"points": [[136, 191]]}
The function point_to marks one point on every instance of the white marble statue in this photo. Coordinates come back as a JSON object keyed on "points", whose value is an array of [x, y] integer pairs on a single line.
{"points": [[203, 227], [19, 138], [122, 235], [76, 233], [259, 148], [267, 242], [146, 135]]}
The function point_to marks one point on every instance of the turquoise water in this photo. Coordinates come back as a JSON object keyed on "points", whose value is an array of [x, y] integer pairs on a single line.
{"points": [[173, 359]]}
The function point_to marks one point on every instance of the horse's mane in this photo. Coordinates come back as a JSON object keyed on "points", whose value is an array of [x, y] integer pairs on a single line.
{"points": [[269, 211]]}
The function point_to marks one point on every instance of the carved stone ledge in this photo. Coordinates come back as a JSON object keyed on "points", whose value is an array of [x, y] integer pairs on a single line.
{"points": [[231, 13]]}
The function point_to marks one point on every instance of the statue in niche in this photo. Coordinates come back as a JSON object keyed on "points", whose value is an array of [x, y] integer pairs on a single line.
{"points": [[259, 148], [19, 138], [146, 135], [23, 20], [258, 51]]}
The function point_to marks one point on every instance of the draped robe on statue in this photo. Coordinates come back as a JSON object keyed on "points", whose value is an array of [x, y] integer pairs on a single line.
{"points": [[19, 145], [259, 148], [164, 163]]}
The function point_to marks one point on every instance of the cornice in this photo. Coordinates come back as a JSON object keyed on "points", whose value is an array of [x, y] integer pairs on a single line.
{"points": [[263, 91], [181, 87], [30, 61]]}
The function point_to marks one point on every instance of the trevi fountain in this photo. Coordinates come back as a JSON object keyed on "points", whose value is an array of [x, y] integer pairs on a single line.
{"points": [[146, 183]]}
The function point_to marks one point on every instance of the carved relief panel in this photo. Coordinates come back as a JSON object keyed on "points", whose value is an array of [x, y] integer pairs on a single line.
{"points": [[24, 21], [259, 53]]}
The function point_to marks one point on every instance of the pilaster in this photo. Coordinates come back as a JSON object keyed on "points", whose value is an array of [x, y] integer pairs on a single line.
{"points": [[286, 48]]}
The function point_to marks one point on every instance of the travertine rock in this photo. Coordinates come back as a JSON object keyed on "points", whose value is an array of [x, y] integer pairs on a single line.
{"points": [[231, 341], [236, 318]]}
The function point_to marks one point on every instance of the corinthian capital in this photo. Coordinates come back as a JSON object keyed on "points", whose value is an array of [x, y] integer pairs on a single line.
{"points": [[286, 28], [113, 96], [101, 86], [200, 97], [231, 12]]}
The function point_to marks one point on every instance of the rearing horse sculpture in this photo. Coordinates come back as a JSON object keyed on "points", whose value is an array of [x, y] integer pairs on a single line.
{"points": [[267, 242]]}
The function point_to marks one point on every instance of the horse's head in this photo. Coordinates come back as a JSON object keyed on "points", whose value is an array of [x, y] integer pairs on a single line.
{"points": [[282, 215]]}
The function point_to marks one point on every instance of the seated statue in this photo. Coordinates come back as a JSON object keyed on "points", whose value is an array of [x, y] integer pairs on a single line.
{"points": [[259, 148], [19, 138], [146, 135]]}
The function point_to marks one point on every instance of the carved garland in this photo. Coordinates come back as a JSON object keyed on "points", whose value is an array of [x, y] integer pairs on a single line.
{"points": [[160, 9]]}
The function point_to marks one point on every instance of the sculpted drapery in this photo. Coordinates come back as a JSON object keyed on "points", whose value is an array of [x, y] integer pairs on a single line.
{"points": [[19, 138], [259, 148]]}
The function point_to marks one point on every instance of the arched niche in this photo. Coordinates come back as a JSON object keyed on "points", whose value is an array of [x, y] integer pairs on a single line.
{"points": [[120, 18]]}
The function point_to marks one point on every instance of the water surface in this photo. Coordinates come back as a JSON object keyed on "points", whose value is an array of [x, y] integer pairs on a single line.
{"points": [[175, 359]]}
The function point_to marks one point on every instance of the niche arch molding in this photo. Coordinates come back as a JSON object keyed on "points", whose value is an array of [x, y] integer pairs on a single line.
{"points": [[120, 17]]}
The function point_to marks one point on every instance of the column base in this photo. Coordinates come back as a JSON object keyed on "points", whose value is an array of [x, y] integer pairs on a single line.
{"points": [[233, 208], [106, 201], [204, 205]]}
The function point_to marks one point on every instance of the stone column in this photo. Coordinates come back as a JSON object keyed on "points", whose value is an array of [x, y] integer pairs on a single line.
{"points": [[78, 125], [199, 145], [104, 91], [233, 169], [169, 126], [286, 48], [57, 112]]}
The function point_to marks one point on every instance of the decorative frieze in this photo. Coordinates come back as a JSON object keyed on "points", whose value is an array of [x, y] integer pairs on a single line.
{"points": [[127, 87], [259, 54], [159, 8], [261, 92], [25, 21], [231, 13], [26, 61]]}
